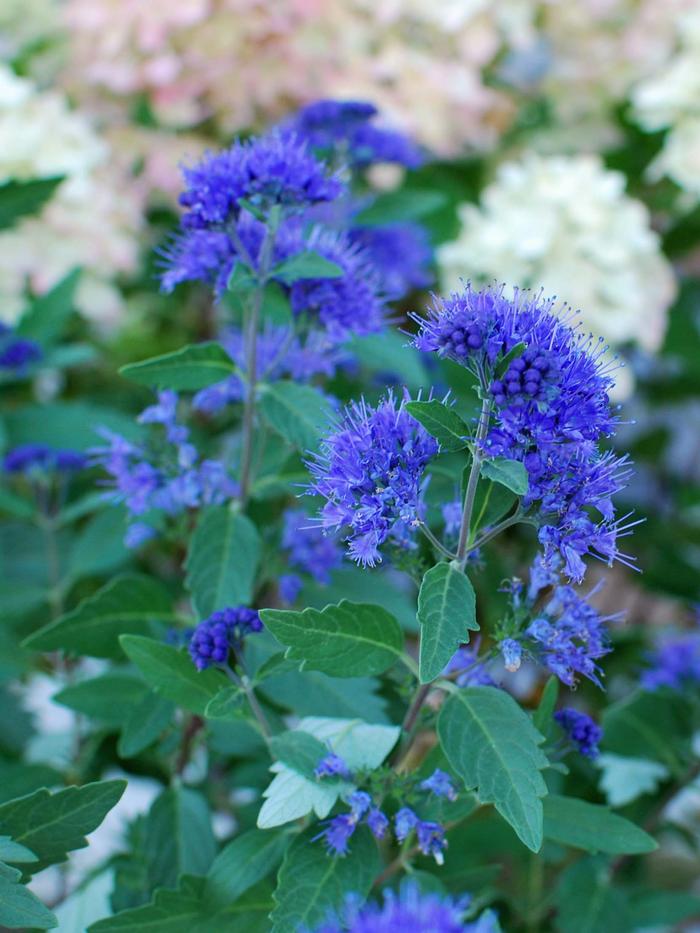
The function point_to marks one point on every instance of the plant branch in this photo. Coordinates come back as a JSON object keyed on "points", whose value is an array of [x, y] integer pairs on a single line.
{"points": [[470, 494]]}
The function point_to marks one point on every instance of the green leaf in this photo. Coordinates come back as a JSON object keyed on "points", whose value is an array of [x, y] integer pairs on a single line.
{"points": [[387, 353], [624, 779], [100, 546], [298, 750], [222, 560], [404, 204], [306, 693], [276, 307], [15, 505], [19, 907], [172, 673], [491, 503], [347, 640], [144, 724], [242, 863], [447, 613], [229, 703], [306, 265], [593, 827], [297, 412], [51, 825], [493, 746], [109, 697], [442, 423], [178, 836], [587, 902], [311, 883], [542, 717], [649, 725], [509, 473], [11, 851], [22, 198], [662, 908], [505, 362], [46, 318], [129, 605], [193, 367]]}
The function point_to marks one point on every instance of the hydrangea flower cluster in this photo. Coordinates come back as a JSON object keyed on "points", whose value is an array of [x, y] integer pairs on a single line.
{"points": [[583, 731], [675, 664], [17, 353], [224, 631], [370, 471], [309, 550], [171, 478], [346, 127], [409, 909], [549, 409], [34, 459]]}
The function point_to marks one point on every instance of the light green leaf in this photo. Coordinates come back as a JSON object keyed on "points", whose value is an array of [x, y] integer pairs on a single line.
{"points": [[19, 907], [144, 724], [442, 422], [587, 902], [172, 673], [593, 827], [298, 413], [509, 473], [53, 824], [447, 613], [624, 779], [130, 605], [311, 883], [222, 560], [347, 640], [494, 747], [306, 265], [299, 750], [242, 863], [22, 198], [178, 837], [191, 368], [48, 314]]}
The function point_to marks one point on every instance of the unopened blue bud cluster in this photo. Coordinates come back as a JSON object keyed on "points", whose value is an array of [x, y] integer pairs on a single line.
{"points": [[213, 639]]}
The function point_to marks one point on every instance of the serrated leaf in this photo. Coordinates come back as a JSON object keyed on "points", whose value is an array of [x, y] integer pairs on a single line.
{"points": [[222, 560], [509, 473], [172, 673], [51, 825], [447, 613], [22, 198], [587, 902], [47, 316], [178, 836], [624, 779], [347, 640], [306, 265], [11, 851], [144, 724], [593, 827], [191, 368], [299, 750], [494, 747], [229, 703], [442, 423], [242, 863], [130, 604], [297, 412], [20, 908], [311, 883]]}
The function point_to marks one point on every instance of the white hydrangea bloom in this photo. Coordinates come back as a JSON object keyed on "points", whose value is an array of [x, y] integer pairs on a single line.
{"points": [[670, 99], [565, 224], [91, 221]]}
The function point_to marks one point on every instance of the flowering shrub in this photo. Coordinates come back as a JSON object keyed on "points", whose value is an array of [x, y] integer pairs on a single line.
{"points": [[322, 604]]}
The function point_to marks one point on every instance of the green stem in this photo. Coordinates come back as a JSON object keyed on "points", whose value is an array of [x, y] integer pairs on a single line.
{"points": [[470, 494], [435, 542], [246, 686]]}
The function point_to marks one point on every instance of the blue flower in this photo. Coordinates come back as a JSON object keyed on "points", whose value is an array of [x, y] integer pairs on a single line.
{"points": [[405, 821], [440, 784], [273, 169], [402, 254], [512, 653], [550, 410], [225, 629], [474, 674], [337, 833], [674, 664], [40, 458], [309, 549], [332, 765], [378, 822], [581, 729], [370, 471], [17, 353], [430, 836]]}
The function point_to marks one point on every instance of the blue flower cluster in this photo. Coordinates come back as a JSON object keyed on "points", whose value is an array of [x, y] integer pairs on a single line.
{"points": [[469, 670], [345, 127], [34, 459], [583, 731], [409, 909], [224, 631], [178, 479], [370, 471], [400, 251], [675, 664], [309, 550], [550, 410], [17, 353]]}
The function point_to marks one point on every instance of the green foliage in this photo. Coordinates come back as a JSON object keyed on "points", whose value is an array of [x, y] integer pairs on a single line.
{"points": [[20, 199], [509, 473], [47, 317], [447, 613], [587, 902], [178, 837], [191, 368], [442, 422], [19, 907], [347, 640], [245, 861], [592, 827], [296, 412], [306, 265], [493, 746]]}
